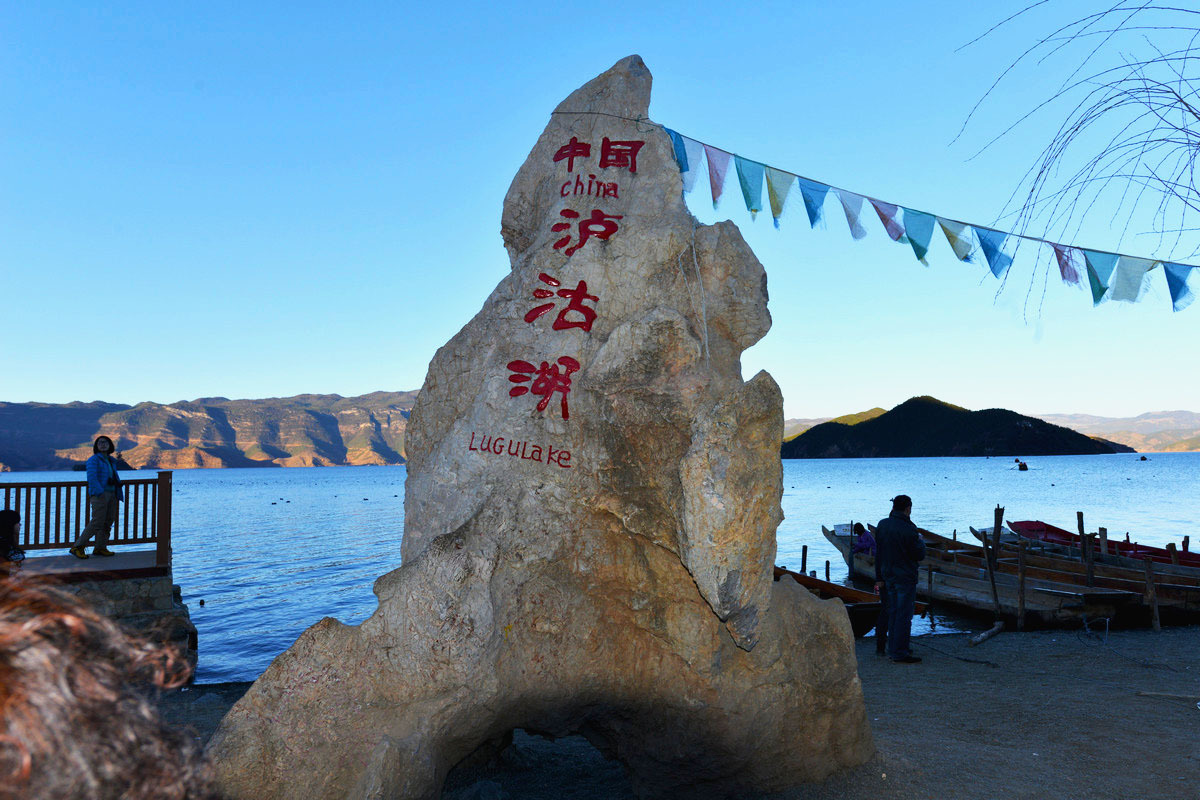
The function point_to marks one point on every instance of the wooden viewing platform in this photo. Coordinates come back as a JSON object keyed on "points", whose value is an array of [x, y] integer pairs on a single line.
{"points": [[69, 569], [53, 513]]}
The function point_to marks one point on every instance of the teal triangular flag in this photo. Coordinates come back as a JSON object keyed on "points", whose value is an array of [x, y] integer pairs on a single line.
{"points": [[992, 244], [1177, 279], [750, 176], [814, 199], [919, 227], [1100, 266]]}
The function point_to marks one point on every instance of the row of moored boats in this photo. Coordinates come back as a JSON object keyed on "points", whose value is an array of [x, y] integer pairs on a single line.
{"points": [[1045, 575]]}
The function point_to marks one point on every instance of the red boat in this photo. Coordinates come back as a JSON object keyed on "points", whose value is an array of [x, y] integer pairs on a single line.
{"points": [[1042, 532]]}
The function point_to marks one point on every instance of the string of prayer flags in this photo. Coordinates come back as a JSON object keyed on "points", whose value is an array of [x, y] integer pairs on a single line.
{"points": [[779, 183], [1110, 276], [1177, 278], [852, 205], [958, 234], [750, 176]]}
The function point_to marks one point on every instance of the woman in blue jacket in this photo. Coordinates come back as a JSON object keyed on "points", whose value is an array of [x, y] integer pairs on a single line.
{"points": [[104, 495]]}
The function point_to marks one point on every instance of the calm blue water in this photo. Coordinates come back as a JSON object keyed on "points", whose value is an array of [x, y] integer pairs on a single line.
{"points": [[272, 551]]}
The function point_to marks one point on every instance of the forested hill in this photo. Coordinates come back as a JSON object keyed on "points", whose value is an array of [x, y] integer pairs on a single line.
{"points": [[925, 426], [305, 430]]}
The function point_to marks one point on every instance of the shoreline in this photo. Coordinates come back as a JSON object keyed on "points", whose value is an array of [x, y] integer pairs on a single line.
{"points": [[1035, 714]]}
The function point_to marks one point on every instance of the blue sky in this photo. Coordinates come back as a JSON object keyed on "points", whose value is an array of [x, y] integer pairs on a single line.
{"points": [[255, 200]]}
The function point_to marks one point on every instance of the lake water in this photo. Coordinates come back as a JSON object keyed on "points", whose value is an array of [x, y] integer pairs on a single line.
{"points": [[271, 551]]}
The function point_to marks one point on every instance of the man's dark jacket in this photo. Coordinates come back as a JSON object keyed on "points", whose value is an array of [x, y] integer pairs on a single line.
{"points": [[899, 547]]}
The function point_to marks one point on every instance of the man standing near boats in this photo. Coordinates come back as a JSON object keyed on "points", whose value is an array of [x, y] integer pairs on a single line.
{"points": [[899, 550]]}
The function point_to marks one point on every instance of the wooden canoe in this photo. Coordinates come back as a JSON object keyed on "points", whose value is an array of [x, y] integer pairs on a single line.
{"points": [[1059, 571], [1042, 532], [862, 607], [1070, 560], [964, 582]]}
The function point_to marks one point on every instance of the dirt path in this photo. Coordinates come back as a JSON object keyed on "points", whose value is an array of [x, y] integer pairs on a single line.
{"points": [[1033, 715]]}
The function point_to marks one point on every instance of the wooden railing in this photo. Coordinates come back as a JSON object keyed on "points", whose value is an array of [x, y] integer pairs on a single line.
{"points": [[54, 513]]}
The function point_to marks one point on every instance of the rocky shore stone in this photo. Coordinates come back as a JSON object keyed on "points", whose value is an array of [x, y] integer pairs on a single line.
{"points": [[590, 516], [150, 606]]}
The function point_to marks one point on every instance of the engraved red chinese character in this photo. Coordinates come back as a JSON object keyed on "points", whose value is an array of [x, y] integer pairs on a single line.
{"points": [[599, 224], [576, 299], [544, 380], [619, 154], [572, 150]]}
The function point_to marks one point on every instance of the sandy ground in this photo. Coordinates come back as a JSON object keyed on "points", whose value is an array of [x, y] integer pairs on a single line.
{"points": [[1048, 714]]}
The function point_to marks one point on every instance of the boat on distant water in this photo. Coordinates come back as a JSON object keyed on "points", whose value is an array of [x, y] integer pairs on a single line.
{"points": [[956, 572], [1036, 530], [862, 607]]}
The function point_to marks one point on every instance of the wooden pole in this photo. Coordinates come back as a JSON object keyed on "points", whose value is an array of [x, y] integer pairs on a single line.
{"points": [[1104, 541], [1021, 586], [1152, 594], [980, 638], [1089, 551], [996, 531], [162, 554], [989, 557], [804, 559], [1082, 536], [1174, 553], [827, 570], [1186, 540]]}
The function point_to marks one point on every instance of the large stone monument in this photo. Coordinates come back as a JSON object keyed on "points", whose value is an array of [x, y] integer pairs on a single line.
{"points": [[590, 518]]}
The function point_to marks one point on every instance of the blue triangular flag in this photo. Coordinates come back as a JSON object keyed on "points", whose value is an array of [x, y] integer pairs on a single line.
{"points": [[1177, 279], [814, 199], [680, 151], [689, 155], [992, 244]]}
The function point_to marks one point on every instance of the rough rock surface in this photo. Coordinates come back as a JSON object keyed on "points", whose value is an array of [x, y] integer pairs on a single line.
{"points": [[601, 564]]}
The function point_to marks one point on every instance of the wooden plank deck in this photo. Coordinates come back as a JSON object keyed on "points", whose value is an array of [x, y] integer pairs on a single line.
{"points": [[69, 569]]}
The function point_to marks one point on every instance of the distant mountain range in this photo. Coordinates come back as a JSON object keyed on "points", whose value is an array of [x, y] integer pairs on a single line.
{"points": [[1157, 431], [319, 430], [306, 430], [925, 426]]}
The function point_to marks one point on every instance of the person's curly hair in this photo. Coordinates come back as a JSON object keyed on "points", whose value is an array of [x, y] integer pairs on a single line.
{"points": [[77, 718]]}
